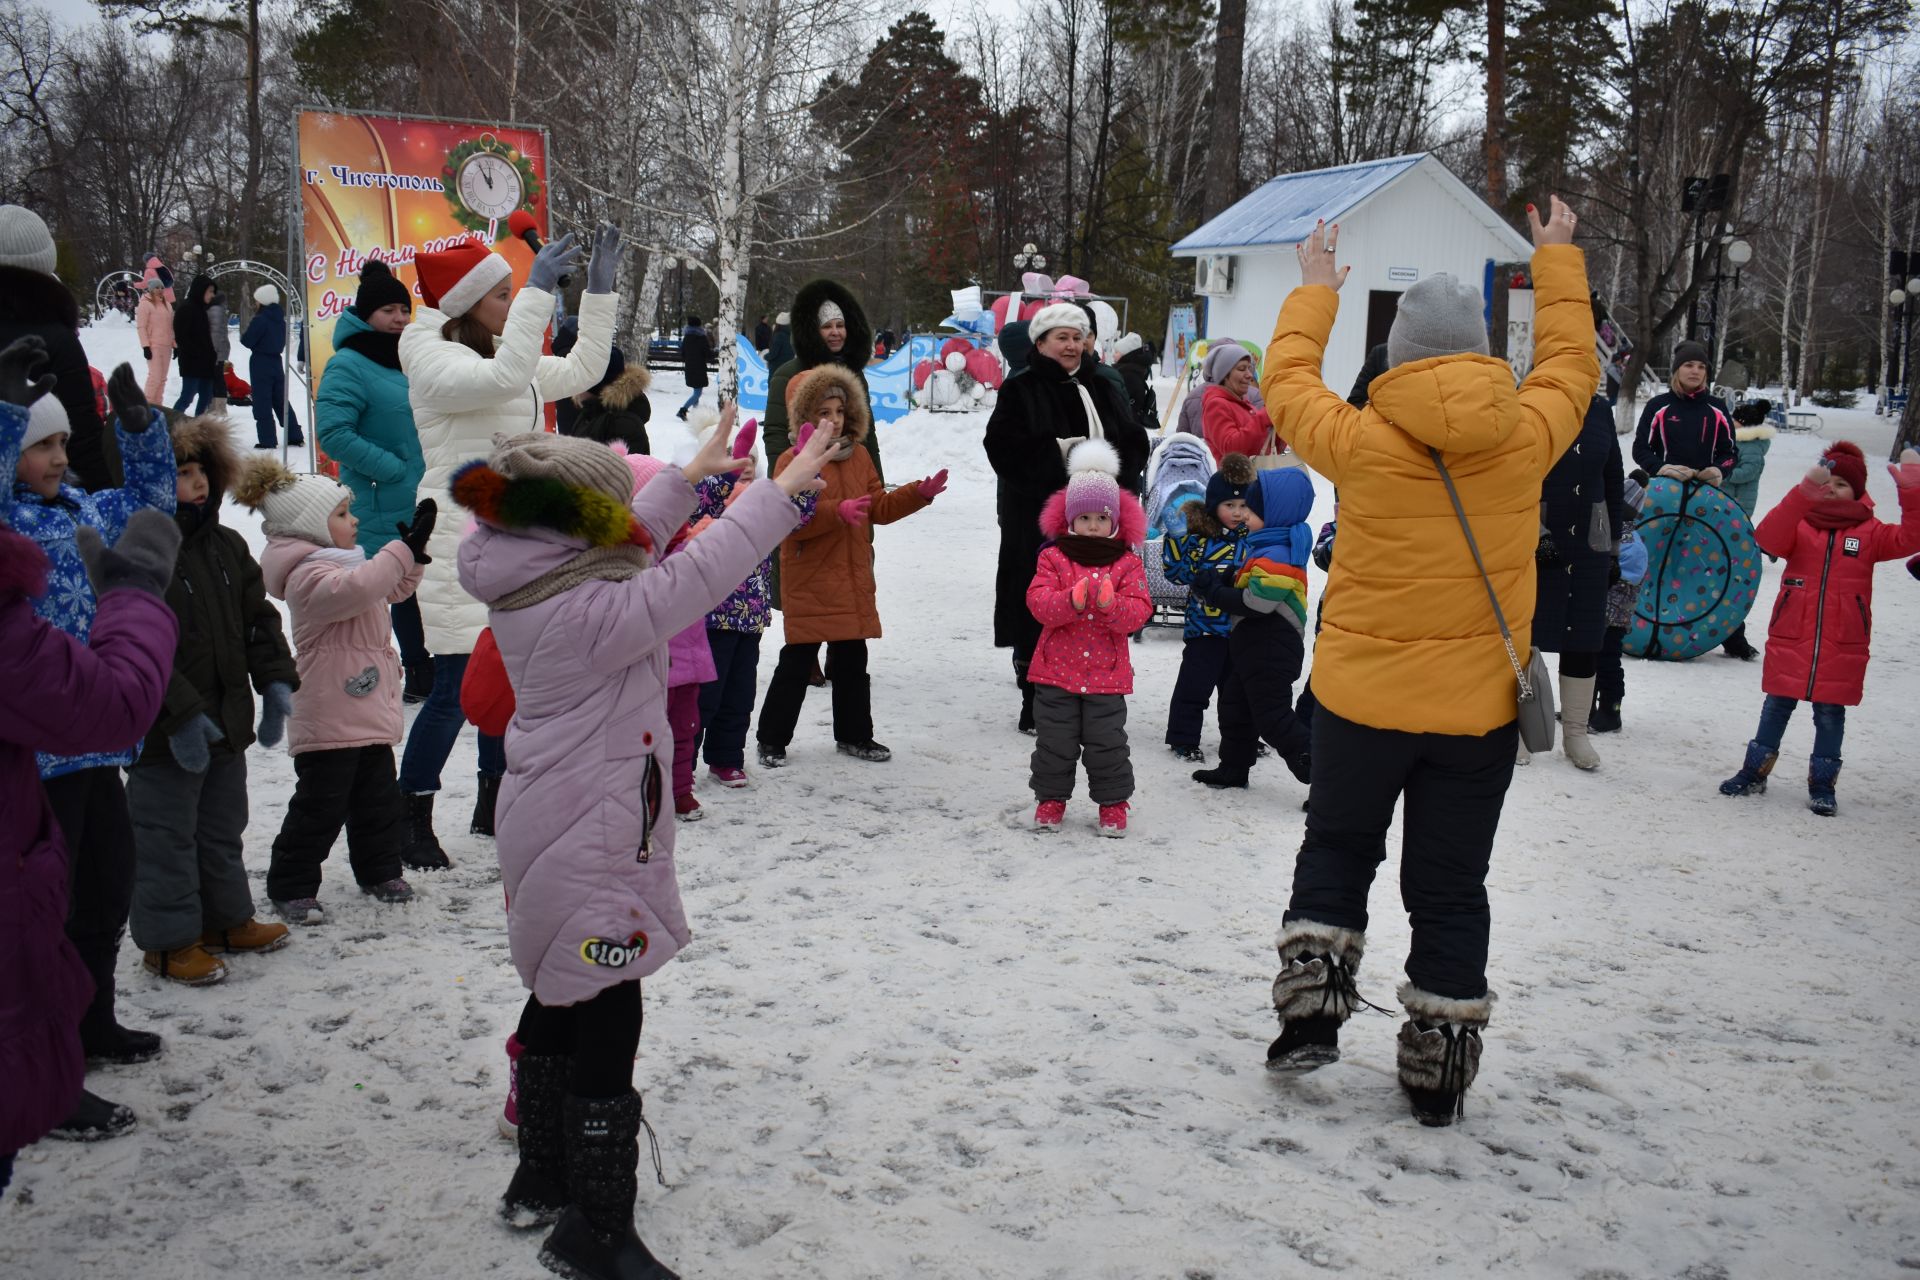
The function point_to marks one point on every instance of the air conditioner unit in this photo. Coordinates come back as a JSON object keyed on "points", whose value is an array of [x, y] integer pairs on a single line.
{"points": [[1213, 275]]}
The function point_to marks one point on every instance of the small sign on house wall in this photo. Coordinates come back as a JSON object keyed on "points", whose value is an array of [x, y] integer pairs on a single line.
{"points": [[1403, 275]]}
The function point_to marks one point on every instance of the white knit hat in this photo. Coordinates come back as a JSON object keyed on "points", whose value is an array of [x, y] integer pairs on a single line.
{"points": [[266, 295], [829, 312], [45, 417], [25, 240], [290, 505], [1057, 315]]}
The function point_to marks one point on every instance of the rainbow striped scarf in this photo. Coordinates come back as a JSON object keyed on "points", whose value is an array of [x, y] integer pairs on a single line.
{"points": [[1273, 570]]}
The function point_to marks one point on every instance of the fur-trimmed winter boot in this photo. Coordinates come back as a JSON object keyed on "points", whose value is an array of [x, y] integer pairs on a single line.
{"points": [[1822, 773], [595, 1239], [1314, 993], [1575, 696], [538, 1192], [1440, 1051], [1752, 778]]}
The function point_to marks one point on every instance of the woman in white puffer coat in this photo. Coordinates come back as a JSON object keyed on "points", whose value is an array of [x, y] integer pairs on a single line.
{"points": [[474, 365]]}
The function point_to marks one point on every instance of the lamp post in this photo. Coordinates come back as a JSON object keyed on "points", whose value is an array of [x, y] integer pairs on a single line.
{"points": [[1903, 301], [1729, 249], [1029, 257]]}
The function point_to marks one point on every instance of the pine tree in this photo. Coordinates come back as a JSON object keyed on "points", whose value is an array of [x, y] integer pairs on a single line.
{"points": [[1559, 73]]}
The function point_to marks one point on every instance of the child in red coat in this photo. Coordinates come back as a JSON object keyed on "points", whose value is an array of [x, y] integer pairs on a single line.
{"points": [[1817, 639], [1089, 594]]}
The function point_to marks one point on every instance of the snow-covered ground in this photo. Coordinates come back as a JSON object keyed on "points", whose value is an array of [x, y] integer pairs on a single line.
{"points": [[913, 1039]]}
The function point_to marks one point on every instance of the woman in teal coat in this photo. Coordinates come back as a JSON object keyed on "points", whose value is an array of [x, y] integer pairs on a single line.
{"points": [[365, 424]]}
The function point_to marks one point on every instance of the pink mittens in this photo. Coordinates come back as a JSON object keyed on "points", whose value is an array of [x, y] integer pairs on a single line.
{"points": [[934, 485], [743, 443], [854, 510], [1103, 598], [1077, 595]]}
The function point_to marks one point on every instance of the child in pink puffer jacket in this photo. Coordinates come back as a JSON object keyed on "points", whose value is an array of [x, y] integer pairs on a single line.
{"points": [[346, 715], [1089, 595]]}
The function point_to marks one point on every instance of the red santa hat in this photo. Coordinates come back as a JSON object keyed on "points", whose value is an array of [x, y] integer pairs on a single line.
{"points": [[452, 280]]}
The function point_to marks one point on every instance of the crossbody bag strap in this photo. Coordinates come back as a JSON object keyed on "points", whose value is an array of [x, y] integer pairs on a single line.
{"points": [[1499, 615]]}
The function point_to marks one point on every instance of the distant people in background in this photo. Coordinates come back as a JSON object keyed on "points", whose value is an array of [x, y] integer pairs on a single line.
{"points": [[883, 344], [266, 338], [1376, 364], [33, 303], [1133, 361], [762, 336], [1753, 437], [696, 349], [200, 373], [1616, 375], [829, 326], [1229, 421], [158, 270], [153, 321], [222, 346], [780, 346]]}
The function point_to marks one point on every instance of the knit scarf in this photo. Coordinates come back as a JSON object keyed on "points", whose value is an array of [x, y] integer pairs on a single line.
{"points": [[381, 348], [1273, 569], [1090, 551], [1832, 513], [595, 564]]}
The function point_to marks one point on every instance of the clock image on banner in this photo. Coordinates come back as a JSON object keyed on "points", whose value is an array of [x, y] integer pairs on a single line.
{"points": [[391, 187]]}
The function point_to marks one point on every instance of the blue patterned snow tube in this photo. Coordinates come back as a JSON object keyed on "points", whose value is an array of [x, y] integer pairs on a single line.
{"points": [[1703, 571]]}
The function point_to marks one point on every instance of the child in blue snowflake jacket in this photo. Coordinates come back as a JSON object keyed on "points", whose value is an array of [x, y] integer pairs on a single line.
{"points": [[88, 798], [1211, 541]]}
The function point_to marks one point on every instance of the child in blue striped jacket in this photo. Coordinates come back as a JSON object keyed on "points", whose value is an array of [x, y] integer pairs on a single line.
{"points": [[1210, 541]]}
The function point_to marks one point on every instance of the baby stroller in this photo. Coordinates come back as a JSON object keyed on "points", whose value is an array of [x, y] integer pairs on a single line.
{"points": [[1177, 474]]}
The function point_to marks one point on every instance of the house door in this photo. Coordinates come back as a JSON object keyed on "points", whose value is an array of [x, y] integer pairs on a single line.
{"points": [[1382, 306]]}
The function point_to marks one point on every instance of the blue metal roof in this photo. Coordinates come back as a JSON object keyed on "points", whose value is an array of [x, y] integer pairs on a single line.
{"points": [[1284, 210]]}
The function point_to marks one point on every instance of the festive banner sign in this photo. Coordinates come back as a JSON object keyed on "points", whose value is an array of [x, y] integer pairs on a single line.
{"points": [[751, 369], [391, 187]]}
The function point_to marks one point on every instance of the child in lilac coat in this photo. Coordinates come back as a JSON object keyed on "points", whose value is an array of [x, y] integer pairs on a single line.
{"points": [[562, 556]]}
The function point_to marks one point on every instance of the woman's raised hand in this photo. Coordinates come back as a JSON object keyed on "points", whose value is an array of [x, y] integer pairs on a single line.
{"points": [[555, 259], [605, 262], [1317, 257], [716, 452], [1558, 228], [803, 473]]}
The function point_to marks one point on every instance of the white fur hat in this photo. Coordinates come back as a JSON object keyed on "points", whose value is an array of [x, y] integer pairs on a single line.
{"points": [[266, 295], [1057, 315]]}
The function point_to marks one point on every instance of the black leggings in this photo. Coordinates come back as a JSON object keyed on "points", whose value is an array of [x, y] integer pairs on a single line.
{"points": [[1578, 666], [601, 1035]]}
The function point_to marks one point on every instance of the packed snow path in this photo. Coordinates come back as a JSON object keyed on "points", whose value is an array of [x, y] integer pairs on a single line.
{"points": [[912, 1038]]}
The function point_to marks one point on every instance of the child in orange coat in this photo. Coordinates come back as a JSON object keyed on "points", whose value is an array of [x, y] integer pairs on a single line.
{"points": [[826, 570]]}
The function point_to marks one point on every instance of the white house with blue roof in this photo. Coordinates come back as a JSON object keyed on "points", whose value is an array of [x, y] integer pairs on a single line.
{"points": [[1401, 220]]}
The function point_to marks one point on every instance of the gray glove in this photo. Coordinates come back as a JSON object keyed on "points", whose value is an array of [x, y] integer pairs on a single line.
{"points": [[605, 261], [192, 743], [26, 371], [142, 558], [554, 260], [276, 704]]}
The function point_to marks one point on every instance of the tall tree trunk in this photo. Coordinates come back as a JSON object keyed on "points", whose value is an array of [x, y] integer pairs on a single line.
{"points": [[1887, 357], [256, 139], [734, 220], [1495, 144], [1229, 72]]}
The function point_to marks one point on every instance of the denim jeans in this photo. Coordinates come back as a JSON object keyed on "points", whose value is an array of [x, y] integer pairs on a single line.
{"points": [[1829, 725], [692, 400], [437, 727], [207, 389], [410, 632]]}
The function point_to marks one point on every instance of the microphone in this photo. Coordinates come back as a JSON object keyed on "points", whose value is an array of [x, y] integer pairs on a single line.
{"points": [[522, 225]]}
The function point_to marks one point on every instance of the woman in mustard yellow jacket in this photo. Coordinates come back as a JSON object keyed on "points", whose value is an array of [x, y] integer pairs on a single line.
{"points": [[1417, 695]]}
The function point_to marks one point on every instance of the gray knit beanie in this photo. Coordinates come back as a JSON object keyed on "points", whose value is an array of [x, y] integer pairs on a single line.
{"points": [[1221, 357], [572, 460], [25, 240], [1440, 316]]}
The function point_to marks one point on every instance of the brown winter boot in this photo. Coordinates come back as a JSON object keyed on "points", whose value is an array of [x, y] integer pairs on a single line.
{"points": [[190, 966], [1440, 1051], [249, 935]]}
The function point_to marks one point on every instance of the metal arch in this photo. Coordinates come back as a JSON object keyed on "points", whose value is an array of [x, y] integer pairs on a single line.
{"points": [[240, 266], [103, 292]]}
